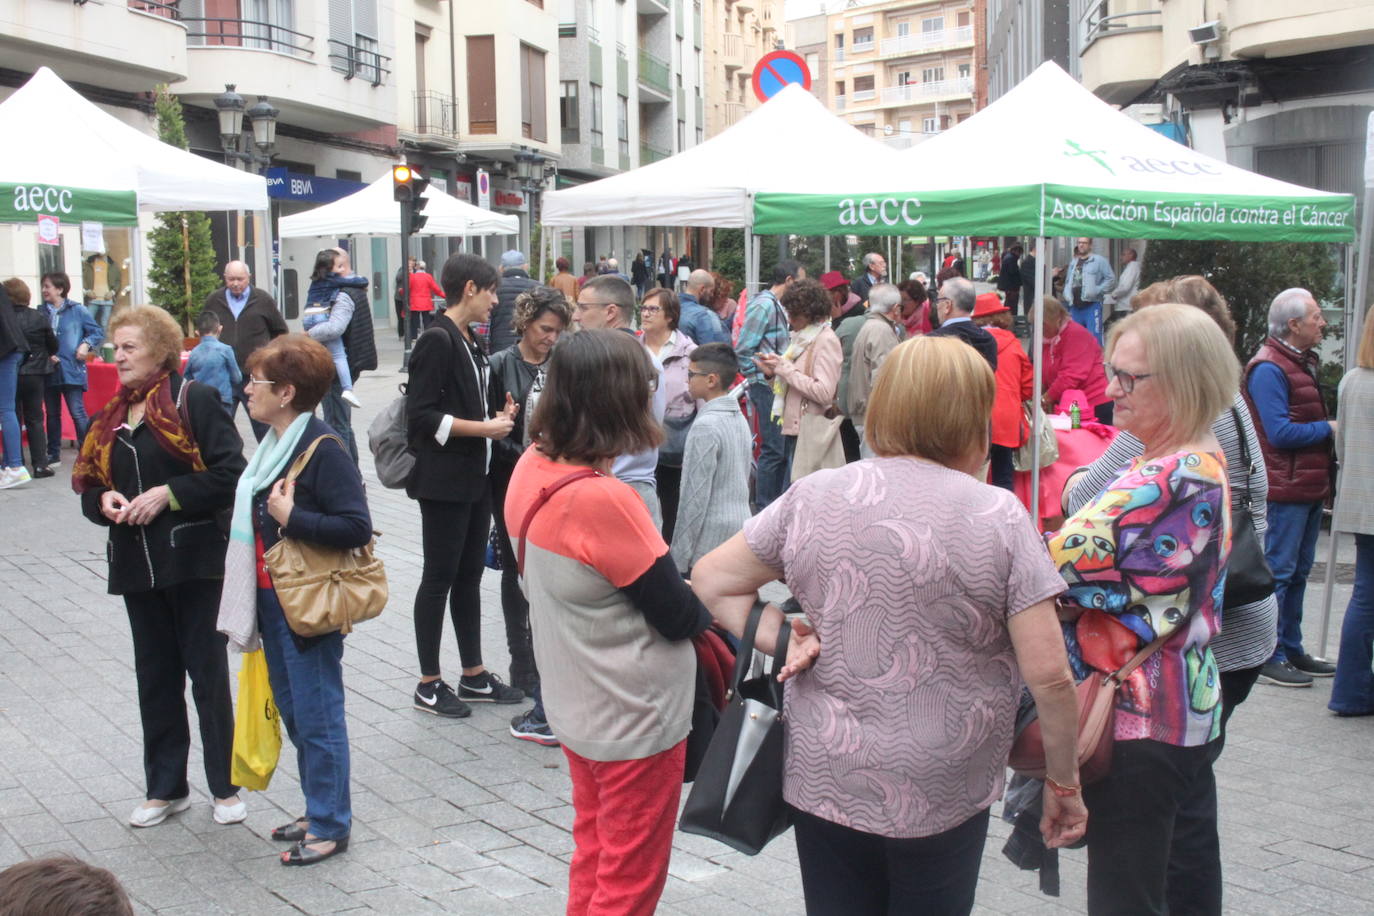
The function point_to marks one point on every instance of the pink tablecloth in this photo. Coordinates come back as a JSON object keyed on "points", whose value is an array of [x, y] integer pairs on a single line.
{"points": [[1077, 447]]}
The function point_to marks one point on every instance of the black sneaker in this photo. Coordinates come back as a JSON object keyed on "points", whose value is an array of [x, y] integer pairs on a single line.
{"points": [[1313, 666], [1283, 674], [528, 727], [438, 698], [43, 471], [487, 688]]}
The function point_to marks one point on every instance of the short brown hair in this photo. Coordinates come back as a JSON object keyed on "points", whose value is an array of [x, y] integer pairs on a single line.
{"points": [[295, 359], [669, 302], [903, 418], [60, 281], [596, 400], [1153, 294], [561, 264], [537, 300], [807, 299], [722, 288], [61, 886], [18, 291], [161, 332]]}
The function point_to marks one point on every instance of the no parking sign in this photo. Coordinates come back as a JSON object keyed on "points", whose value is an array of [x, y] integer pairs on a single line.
{"points": [[777, 69]]}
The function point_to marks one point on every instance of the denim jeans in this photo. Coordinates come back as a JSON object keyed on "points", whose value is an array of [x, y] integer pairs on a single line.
{"points": [[53, 396], [100, 311], [1353, 689], [9, 417], [771, 477], [1090, 316], [307, 686], [1290, 547], [338, 415]]}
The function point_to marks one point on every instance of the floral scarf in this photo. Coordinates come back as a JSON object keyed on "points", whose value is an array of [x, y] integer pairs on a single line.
{"points": [[163, 419], [800, 341]]}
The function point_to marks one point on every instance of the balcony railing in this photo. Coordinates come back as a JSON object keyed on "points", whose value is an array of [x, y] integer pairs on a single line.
{"points": [[916, 92], [248, 33], [355, 60], [168, 9], [862, 47], [732, 51], [650, 153], [733, 112], [654, 72], [436, 113], [863, 95], [927, 41], [1119, 17], [840, 102]]}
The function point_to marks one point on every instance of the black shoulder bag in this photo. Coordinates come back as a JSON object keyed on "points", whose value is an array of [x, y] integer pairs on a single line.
{"points": [[1248, 577]]}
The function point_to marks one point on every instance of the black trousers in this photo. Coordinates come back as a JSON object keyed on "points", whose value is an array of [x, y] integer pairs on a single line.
{"points": [[999, 457], [28, 403], [1194, 883], [668, 483], [174, 635], [453, 537], [1013, 300], [849, 440], [514, 608], [1131, 826], [847, 872]]}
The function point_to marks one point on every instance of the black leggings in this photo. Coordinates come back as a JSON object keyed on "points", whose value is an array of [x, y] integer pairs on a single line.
{"points": [[514, 607], [30, 407], [454, 540], [668, 483]]}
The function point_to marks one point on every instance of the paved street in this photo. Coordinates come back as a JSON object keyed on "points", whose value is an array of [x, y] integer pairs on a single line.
{"points": [[456, 816]]}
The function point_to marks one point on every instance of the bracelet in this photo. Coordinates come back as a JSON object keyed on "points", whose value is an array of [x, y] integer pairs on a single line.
{"points": [[1060, 789]]}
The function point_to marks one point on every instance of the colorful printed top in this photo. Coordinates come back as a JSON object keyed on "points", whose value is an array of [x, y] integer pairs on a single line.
{"points": [[1146, 557]]}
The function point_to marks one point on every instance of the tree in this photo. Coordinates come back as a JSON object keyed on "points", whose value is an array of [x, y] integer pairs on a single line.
{"points": [[182, 269], [727, 254]]}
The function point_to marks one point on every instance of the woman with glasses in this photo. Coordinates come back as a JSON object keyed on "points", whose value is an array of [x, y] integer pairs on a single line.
{"points": [[1144, 560], [671, 351], [1072, 360]]}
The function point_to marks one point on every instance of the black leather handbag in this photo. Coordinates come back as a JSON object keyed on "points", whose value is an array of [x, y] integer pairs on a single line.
{"points": [[737, 795], [1248, 577]]}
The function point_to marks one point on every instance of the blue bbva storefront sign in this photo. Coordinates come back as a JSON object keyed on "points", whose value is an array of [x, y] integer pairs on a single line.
{"points": [[285, 185]]}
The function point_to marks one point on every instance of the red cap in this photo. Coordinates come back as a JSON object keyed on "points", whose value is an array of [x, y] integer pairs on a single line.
{"points": [[988, 304], [833, 280]]}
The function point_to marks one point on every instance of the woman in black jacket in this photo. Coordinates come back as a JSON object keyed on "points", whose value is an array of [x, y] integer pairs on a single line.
{"points": [[12, 346], [517, 375], [33, 371], [451, 430], [158, 463]]}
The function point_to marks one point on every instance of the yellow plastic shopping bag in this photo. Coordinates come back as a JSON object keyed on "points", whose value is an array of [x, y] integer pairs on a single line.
{"points": [[257, 729]]}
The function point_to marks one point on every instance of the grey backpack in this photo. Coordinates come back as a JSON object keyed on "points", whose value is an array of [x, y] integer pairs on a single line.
{"points": [[386, 437]]}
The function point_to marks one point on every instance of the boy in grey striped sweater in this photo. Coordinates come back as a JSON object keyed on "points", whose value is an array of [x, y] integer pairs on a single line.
{"points": [[714, 500]]}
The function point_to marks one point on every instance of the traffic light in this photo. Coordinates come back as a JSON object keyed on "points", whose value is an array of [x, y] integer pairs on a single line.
{"points": [[418, 201], [402, 183]]}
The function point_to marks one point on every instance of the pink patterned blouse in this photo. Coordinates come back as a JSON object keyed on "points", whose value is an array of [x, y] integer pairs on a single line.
{"points": [[909, 572]]}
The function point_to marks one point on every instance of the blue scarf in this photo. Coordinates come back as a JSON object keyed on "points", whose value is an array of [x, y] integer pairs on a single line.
{"points": [[238, 603]]}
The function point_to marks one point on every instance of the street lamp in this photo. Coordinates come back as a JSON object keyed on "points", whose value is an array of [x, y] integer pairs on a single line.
{"points": [[264, 119], [230, 105], [255, 152], [529, 171]]}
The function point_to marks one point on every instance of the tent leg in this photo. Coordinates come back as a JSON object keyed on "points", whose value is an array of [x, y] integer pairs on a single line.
{"points": [[1328, 586], [1353, 327], [138, 296], [1042, 268], [827, 254]]}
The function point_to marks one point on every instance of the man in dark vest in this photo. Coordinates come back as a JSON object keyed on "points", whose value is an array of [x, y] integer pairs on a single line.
{"points": [[360, 346], [1286, 399], [955, 308]]}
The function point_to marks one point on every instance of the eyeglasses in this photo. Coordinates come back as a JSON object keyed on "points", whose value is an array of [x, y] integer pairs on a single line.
{"points": [[1127, 380], [692, 373], [650, 309], [260, 381]]}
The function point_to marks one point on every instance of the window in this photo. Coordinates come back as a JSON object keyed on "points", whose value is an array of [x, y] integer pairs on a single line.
{"points": [[839, 42], [933, 24], [904, 78], [863, 84], [964, 71], [904, 28], [839, 88], [534, 114], [353, 35], [963, 19], [928, 126], [681, 136], [700, 136], [567, 111], [863, 36], [622, 123], [933, 74], [813, 63], [348, 175], [597, 140], [481, 84]]}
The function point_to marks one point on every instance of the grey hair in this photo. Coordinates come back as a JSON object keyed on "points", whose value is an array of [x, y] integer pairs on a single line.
{"points": [[960, 293], [882, 297], [868, 258], [1287, 305]]}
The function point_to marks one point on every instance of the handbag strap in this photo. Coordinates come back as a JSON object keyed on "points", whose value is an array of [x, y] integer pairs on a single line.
{"points": [[539, 502], [1125, 670], [304, 457], [745, 656], [1244, 455]]}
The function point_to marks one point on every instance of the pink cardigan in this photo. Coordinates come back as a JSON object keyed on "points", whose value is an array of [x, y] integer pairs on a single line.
{"points": [[1074, 360], [816, 390]]}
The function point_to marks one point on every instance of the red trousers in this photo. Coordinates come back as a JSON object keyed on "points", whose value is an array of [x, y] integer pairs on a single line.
{"points": [[625, 813]]}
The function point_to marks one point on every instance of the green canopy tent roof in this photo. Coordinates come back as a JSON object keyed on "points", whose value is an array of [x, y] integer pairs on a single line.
{"points": [[1051, 159]]}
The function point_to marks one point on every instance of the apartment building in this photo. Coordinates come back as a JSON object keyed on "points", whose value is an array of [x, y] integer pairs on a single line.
{"points": [[630, 93], [1022, 35], [738, 33]]}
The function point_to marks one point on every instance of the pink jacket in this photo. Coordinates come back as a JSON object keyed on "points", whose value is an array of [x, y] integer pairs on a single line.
{"points": [[1074, 360], [818, 389]]}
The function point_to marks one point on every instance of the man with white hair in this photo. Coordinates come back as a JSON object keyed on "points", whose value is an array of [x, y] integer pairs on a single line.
{"points": [[249, 318], [954, 306], [877, 338], [1284, 391], [875, 271]]}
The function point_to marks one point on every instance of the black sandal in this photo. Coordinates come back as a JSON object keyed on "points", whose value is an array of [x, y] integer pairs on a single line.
{"points": [[293, 832], [302, 854]]}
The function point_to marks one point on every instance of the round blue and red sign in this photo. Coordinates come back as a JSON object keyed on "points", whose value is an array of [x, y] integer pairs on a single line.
{"points": [[777, 69]]}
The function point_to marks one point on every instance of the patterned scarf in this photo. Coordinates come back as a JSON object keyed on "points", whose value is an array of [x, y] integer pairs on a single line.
{"points": [[93, 467], [801, 342]]}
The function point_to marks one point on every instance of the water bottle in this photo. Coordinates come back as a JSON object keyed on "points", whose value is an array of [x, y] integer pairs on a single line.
{"points": [[1075, 416]]}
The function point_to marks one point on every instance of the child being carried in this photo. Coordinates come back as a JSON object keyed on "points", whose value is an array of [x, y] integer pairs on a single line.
{"points": [[328, 302]]}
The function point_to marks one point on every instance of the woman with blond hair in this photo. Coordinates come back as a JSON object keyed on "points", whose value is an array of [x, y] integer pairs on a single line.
{"points": [[156, 467], [898, 736], [1144, 560]]}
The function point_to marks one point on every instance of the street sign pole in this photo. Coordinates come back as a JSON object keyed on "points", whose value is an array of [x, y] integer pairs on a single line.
{"points": [[405, 285]]}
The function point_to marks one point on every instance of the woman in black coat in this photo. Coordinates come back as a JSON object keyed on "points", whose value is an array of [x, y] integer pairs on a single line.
{"points": [[157, 466], [33, 371], [451, 430]]}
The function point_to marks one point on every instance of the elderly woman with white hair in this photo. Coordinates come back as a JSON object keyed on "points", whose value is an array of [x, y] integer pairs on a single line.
{"points": [[1144, 561], [878, 336]]}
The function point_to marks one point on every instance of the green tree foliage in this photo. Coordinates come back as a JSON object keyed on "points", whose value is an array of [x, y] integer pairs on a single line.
{"points": [[727, 254], [182, 269]]}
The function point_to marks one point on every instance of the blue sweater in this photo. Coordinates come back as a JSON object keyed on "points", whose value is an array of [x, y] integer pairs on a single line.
{"points": [[1269, 391]]}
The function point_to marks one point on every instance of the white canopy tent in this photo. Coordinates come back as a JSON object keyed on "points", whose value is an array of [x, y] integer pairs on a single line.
{"points": [[373, 211]]}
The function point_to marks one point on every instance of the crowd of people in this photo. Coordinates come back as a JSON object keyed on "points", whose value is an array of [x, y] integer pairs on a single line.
{"points": [[638, 481]]}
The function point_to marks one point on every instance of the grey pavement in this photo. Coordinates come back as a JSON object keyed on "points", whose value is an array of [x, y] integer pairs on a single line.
{"points": [[456, 816]]}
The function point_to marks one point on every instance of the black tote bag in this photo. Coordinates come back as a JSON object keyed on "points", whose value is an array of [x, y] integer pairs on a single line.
{"points": [[737, 795], [1248, 577]]}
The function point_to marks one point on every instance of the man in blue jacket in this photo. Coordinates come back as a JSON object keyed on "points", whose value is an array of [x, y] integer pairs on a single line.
{"points": [[697, 321], [1087, 279]]}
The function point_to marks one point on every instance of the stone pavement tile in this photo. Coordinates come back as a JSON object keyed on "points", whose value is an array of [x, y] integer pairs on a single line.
{"points": [[70, 809], [1325, 856], [435, 812], [478, 901], [395, 787], [1255, 903], [1358, 884], [691, 867], [547, 837], [454, 857], [502, 882], [533, 863], [10, 852], [397, 901], [456, 790], [104, 833], [1323, 899], [34, 829], [1264, 881], [404, 831], [562, 816], [548, 902], [440, 750], [479, 836], [526, 796], [17, 802], [998, 898], [503, 815], [162, 891], [428, 880], [379, 854], [309, 889]]}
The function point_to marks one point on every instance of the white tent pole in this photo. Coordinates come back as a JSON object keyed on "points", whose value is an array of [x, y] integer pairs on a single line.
{"points": [[1037, 348], [1353, 329], [827, 254], [138, 295], [1328, 585]]}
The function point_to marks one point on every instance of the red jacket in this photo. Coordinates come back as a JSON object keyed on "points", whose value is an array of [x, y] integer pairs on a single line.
{"points": [[1074, 360], [1015, 385], [423, 289]]}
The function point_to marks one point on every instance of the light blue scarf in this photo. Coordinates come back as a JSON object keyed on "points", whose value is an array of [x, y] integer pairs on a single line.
{"points": [[238, 603]]}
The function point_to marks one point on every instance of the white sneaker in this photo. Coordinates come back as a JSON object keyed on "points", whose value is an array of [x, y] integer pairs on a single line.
{"points": [[350, 398], [150, 817], [231, 814], [13, 477]]}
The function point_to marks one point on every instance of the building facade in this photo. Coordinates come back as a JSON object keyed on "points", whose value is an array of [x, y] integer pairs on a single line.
{"points": [[1022, 35], [738, 33]]}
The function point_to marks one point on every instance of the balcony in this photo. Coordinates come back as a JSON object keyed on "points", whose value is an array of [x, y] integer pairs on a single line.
{"points": [[732, 51], [1262, 28], [840, 102], [436, 115], [654, 74], [733, 112], [622, 69], [1123, 46], [862, 47], [248, 33], [649, 153], [938, 90], [863, 95], [128, 47], [926, 42]]}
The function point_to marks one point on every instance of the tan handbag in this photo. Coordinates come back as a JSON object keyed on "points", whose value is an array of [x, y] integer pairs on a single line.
{"points": [[1049, 443], [818, 438], [324, 589]]}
